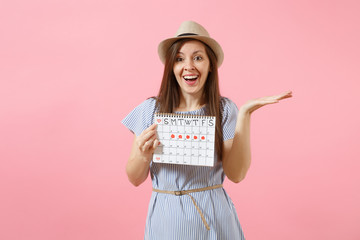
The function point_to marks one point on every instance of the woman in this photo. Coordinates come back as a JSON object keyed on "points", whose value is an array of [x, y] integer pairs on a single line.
{"points": [[188, 202]]}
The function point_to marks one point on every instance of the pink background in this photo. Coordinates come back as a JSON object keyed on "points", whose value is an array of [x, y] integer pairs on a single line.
{"points": [[71, 70]]}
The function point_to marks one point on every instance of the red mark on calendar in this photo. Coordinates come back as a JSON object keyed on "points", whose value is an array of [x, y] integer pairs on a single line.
{"points": [[172, 136], [180, 136], [159, 120], [202, 138], [195, 137], [187, 137]]}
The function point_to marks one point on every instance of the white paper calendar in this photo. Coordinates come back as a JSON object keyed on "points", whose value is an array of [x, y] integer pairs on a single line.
{"points": [[185, 139]]}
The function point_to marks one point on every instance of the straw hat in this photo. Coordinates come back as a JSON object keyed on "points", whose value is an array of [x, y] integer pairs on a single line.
{"points": [[190, 29]]}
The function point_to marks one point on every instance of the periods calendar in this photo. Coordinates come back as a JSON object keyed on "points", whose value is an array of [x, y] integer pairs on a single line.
{"points": [[185, 139]]}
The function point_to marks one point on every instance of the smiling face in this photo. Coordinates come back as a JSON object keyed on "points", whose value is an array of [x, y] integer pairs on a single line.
{"points": [[191, 68]]}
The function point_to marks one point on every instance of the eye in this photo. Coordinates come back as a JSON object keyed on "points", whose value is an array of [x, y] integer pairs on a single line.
{"points": [[198, 58], [178, 59]]}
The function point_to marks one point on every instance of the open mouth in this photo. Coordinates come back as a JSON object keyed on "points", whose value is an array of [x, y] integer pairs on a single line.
{"points": [[191, 78]]}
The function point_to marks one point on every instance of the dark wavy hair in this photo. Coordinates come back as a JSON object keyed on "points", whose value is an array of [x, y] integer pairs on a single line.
{"points": [[168, 97]]}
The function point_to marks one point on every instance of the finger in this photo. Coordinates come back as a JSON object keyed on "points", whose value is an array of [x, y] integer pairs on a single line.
{"points": [[147, 136], [149, 129], [281, 96], [156, 143], [141, 141], [266, 101], [270, 101], [145, 147], [285, 95], [153, 126], [274, 99], [148, 144]]}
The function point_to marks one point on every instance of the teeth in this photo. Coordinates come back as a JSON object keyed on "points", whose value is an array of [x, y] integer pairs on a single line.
{"points": [[190, 77]]}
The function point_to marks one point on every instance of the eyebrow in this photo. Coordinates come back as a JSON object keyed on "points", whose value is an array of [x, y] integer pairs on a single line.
{"points": [[197, 51]]}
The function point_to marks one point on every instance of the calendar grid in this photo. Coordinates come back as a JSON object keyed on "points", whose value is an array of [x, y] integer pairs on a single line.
{"points": [[185, 139]]}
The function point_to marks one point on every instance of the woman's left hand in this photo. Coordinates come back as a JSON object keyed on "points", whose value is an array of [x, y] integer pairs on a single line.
{"points": [[254, 104]]}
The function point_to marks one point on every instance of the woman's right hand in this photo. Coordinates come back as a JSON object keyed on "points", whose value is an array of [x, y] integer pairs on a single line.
{"points": [[147, 142], [138, 165]]}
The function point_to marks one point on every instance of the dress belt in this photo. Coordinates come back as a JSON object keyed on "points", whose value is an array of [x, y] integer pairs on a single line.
{"points": [[186, 192]]}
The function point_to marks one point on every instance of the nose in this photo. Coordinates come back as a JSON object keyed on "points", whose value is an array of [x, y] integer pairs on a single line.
{"points": [[189, 65]]}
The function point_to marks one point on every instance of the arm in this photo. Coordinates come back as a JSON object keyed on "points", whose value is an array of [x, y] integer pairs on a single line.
{"points": [[138, 165], [236, 152]]}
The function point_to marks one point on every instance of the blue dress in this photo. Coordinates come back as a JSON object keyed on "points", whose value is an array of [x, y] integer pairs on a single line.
{"points": [[175, 217]]}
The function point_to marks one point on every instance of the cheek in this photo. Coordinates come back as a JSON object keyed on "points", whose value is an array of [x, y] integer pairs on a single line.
{"points": [[176, 71], [177, 74], [203, 67], [205, 71]]}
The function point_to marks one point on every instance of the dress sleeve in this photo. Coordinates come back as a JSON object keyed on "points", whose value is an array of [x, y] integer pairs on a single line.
{"points": [[229, 118], [141, 117]]}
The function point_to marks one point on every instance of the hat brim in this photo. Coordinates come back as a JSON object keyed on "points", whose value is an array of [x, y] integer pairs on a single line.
{"points": [[214, 45]]}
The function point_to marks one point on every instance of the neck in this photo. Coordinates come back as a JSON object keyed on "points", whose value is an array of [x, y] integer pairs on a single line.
{"points": [[190, 102]]}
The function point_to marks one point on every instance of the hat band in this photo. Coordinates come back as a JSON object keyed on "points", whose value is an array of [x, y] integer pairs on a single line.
{"points": [[187, 34]]}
